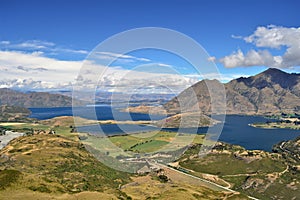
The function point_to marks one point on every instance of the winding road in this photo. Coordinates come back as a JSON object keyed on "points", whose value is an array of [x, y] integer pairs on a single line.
{"points": [[176, 174]]}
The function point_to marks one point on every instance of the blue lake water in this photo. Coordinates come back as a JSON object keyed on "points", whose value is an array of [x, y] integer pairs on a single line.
{"points": [[235, 131], [103, 113]]}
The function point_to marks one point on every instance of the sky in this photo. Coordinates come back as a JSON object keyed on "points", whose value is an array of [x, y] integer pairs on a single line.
{"points": [[43, 44]]}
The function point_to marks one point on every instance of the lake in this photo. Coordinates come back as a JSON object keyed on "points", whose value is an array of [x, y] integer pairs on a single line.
{"points": [[235, 131], [104, 112]]}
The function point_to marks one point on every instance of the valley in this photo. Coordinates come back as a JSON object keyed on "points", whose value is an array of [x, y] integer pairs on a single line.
{"points": [[66, 170], [243, 172]]}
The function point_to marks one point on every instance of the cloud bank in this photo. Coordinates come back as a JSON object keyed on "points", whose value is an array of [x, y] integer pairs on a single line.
{"points": [[34, 71], [264, 40]]}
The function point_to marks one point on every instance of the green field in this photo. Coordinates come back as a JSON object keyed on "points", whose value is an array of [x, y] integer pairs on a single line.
{"points": [[142, 142], [223, 164]]}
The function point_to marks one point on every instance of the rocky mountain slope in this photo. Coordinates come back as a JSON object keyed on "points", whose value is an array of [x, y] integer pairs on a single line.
{"points": [[270, 92], [34, 99]]}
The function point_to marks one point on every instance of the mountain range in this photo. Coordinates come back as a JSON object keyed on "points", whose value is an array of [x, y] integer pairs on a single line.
{"points": [[34, 99], [270, 92]]}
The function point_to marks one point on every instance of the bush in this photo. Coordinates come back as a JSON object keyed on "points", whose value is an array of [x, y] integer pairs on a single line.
{"points": [[41, 188], [163, 178], [7, 177]]}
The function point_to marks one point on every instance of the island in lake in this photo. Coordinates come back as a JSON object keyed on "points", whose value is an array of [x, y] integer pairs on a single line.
{"points": [[290, 121]]}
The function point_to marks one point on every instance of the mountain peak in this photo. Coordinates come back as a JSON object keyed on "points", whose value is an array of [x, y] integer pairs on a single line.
{"points": [[271, 77], [270, 92], [273, 71]]}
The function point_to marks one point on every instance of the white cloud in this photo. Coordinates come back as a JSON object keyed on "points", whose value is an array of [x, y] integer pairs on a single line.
{"points": [[37, 53], [32, 44], [73, 51], [4, 42], [211, 59], [35, 71], [252, 58], [130, 81], [164, 65], [236, 37], [39, 45], [112, 56], [272, 37]]}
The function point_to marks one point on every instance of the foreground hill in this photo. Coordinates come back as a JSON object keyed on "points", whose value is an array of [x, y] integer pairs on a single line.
{"points": [[54, 167], [270, 92], [34, 99], [257, 173], [54, 164]]}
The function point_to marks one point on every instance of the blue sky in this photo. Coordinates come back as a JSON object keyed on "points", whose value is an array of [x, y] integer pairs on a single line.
{"points": [[68, 30]]}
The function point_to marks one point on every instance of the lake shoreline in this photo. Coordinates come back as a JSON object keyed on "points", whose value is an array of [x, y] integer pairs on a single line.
{"points": [[236, 129]]}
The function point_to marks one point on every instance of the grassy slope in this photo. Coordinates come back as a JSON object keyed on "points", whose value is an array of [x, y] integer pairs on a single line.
{"points": [[54, 164], [148, 187], [265, 177]]}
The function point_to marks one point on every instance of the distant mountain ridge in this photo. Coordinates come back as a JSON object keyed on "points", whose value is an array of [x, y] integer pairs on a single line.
{"points": [[270, 92], [34, 99]]}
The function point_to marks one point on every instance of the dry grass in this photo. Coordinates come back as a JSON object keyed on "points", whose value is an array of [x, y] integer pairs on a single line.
{"points": [[147, 187], [24, 194]]}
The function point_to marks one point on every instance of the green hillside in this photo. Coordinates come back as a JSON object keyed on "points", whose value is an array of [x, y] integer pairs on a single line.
{"points": [[257, 173], [54, 164]]}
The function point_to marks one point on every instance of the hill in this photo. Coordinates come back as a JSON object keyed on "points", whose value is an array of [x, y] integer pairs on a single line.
{"points": [[54, 164], [290, 150], [54, 167], [34, 99], [270, 92], [257, 173], [186, 120], [13, 113]]}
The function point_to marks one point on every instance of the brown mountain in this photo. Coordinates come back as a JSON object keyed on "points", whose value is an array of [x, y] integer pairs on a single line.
{"points": [[13, 113], [272, 91], [34, 99]]}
